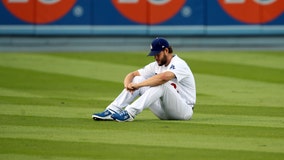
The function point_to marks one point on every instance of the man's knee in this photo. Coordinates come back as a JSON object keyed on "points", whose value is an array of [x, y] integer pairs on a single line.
{"points": [[138, 79]]}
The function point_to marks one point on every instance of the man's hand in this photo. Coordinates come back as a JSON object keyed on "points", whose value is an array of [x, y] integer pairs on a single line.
{"points": [[131, 87], [128, 85]]}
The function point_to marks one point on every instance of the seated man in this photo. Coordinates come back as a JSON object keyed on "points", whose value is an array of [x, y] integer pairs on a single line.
{"points": [[166, 86]]}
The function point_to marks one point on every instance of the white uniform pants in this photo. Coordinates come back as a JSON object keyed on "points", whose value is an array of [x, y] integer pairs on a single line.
{"points": [[162, 100]]}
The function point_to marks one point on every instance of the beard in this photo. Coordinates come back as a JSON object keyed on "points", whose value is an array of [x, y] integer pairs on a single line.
{"points": [[163, 61]]}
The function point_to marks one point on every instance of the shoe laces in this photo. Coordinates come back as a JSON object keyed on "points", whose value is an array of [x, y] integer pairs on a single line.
{"points": [[123, 113], [107, 112]]}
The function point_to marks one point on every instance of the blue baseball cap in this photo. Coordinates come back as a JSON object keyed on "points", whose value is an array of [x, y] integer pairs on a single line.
{"points": [[158, 45]]}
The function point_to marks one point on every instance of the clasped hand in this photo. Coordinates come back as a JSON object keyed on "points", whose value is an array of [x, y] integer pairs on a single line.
{"points": [[131, 87]]}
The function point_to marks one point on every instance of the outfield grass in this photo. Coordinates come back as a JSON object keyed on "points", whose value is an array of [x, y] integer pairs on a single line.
{"points": [[46, 102]]}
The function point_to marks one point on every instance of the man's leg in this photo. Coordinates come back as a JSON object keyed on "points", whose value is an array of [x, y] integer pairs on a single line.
{"points": [[158, 111], [172, 106], [123, 99]]}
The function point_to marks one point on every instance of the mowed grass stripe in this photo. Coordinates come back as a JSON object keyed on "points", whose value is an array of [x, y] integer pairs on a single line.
{"points": [[46, 111], [57, 101], [220, 90], [42, 84], [36, 155], [95, 104], [71, 112], [138, 59], [50, 64], [85, 150], [241, 110], [17, 93], [247, 72], [239, 120], [155, 126], [265, 59], [102, 103], [147, 139]]}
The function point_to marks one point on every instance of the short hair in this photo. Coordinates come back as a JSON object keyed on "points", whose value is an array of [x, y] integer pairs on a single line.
{"points": [[170, 48]]}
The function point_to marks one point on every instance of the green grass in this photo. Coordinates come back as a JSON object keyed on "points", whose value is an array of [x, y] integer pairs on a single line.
{"points": [[46, 102]]}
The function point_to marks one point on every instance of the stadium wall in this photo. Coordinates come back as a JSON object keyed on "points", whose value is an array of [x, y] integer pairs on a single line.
{"points": [[142, 17]]}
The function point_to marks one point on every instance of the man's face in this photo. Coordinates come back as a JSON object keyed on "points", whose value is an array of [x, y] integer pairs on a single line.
{"points": [[161, 58]]}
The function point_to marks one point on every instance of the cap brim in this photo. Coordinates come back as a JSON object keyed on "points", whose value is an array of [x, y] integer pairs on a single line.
{"points": [[153, 53]]}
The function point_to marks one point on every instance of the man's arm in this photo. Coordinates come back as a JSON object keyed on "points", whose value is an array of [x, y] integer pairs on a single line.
{"points": [[128, 79], [153, 81]]}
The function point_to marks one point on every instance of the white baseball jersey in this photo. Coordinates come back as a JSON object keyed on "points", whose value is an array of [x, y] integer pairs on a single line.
{"points": [[183, 82]]}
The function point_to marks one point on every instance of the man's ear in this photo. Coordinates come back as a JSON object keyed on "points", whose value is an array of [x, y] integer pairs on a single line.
{"points": [[167, 50]]}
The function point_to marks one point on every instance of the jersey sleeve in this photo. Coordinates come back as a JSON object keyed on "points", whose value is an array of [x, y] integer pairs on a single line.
{"points": [[180, 69], [148, 71]]}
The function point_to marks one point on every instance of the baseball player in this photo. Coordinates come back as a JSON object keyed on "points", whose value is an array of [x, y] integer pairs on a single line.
{"points": [[166, 87]]}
